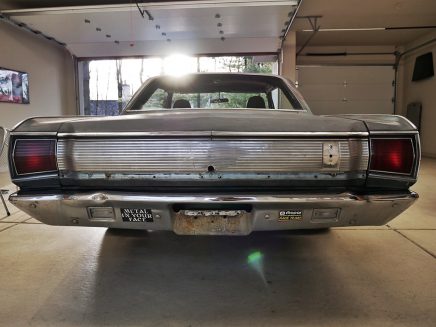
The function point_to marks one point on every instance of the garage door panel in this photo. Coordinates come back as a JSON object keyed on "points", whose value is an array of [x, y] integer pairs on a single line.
{"points": [[347, 89], [369, 92], [357, 91], [367, 75], [351, 107], [322, 92], [327, 107], [338, 92], [339, 75]]}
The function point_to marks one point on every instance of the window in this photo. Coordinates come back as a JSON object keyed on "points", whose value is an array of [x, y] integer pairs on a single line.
{"points": [[106, 86], [216, 91], [157, 100]]}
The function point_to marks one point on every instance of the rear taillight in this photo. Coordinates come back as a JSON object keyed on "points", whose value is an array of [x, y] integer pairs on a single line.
{"points": [[34, 156], [392, 155]]}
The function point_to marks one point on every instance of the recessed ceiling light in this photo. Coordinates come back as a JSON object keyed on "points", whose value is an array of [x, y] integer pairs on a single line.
{"points": [[108, 35], [168, 40], [219, 24], [217, 16], [117, 42], [223, 38], [164, 34], [98, 29], [158, 27], [221, 32], [87, 21]]}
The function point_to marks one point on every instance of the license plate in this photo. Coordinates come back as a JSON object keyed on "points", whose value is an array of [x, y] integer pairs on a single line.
{"points": [[136, 215], [211, 222]]}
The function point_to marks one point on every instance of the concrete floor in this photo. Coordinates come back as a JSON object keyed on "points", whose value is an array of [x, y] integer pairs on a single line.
{"points": [[381, 276]]}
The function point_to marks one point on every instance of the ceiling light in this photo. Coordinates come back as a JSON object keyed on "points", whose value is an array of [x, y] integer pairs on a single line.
{"points": [[117, 42], [217, 16], [108, 35], [87, 21], [221, 32], [98, 29], [219, 24]]}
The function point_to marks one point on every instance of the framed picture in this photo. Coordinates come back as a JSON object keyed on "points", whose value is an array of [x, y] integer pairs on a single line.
{"points": [[14, 86]]}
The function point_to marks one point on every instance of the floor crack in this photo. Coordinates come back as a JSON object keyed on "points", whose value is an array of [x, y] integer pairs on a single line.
{"points": [[413, 242]]}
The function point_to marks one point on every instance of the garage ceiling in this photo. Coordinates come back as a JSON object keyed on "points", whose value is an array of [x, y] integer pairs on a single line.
{"points": [[191, 26], [361, 14]]}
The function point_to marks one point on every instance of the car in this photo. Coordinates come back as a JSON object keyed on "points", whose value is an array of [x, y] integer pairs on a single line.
{"points": [[215, 154]]}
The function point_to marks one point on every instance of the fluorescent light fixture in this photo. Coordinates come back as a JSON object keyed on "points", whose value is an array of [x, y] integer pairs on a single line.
{"points": [[347, 29]]}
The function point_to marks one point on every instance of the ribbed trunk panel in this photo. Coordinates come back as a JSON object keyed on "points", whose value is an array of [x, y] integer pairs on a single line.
{"points": [[138, 156]]}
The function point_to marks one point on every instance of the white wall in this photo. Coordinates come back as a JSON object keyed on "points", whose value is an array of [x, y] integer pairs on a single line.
{"points": [[421, 91], [51, 75], [51, 79]]}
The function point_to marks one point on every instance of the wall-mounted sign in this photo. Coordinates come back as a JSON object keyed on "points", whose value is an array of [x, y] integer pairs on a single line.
{"points": [[14, 86]]}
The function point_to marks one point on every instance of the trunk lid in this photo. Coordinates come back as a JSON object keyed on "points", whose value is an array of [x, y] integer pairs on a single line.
{"points": [[197, 120]]}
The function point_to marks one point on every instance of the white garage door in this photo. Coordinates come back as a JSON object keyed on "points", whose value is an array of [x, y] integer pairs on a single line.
{"points": [[350, 89]]}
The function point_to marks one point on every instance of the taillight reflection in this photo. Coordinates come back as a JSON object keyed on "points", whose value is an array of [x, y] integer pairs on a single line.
{"points": [[392, 155], [34, 156]]}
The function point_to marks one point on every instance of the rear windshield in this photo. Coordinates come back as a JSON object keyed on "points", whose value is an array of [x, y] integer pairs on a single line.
{"points": [[215, 92]]}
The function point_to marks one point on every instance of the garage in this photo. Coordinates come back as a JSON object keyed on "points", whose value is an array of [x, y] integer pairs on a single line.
{"points": [[136, 206]]}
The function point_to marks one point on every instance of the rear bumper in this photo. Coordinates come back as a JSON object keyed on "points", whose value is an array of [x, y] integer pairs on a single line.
{"points": [[260, 212]]}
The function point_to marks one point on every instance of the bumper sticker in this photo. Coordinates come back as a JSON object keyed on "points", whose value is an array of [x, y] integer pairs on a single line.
{"points": [[135, 215], [288, 215]]}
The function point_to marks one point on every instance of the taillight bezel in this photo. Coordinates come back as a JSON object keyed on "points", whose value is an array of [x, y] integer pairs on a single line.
{"points": [[413, 168], [36, 173]]}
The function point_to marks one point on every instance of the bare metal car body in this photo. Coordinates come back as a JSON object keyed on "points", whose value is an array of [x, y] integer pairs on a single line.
{"points": [[216, 172]]}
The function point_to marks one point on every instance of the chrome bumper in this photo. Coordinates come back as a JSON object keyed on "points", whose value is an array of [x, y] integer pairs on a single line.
{"points": [[257, 212]]}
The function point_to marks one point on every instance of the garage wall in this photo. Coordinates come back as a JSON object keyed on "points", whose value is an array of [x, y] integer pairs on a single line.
{"points": [[51, 79], [421, 91], [51, 75]]}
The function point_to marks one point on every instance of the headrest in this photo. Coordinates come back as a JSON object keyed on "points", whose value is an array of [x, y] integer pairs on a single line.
{"points": [[181, 103], [256, 102]]}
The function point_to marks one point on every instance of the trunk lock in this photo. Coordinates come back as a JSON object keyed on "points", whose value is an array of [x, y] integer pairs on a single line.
{"points": [[330, 155]]}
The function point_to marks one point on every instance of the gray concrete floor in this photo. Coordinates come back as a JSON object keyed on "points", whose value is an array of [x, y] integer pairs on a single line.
{"points": [[381, 276]]}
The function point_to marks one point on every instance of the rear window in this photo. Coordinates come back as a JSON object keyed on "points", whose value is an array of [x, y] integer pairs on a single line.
{"points": [[210, 91]]}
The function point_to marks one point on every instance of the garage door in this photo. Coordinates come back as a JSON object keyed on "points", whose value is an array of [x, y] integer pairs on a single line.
{"points": [[350, 89]]}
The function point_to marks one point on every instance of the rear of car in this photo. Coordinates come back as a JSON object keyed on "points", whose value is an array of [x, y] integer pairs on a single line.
{"points": [[216, 172]]}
